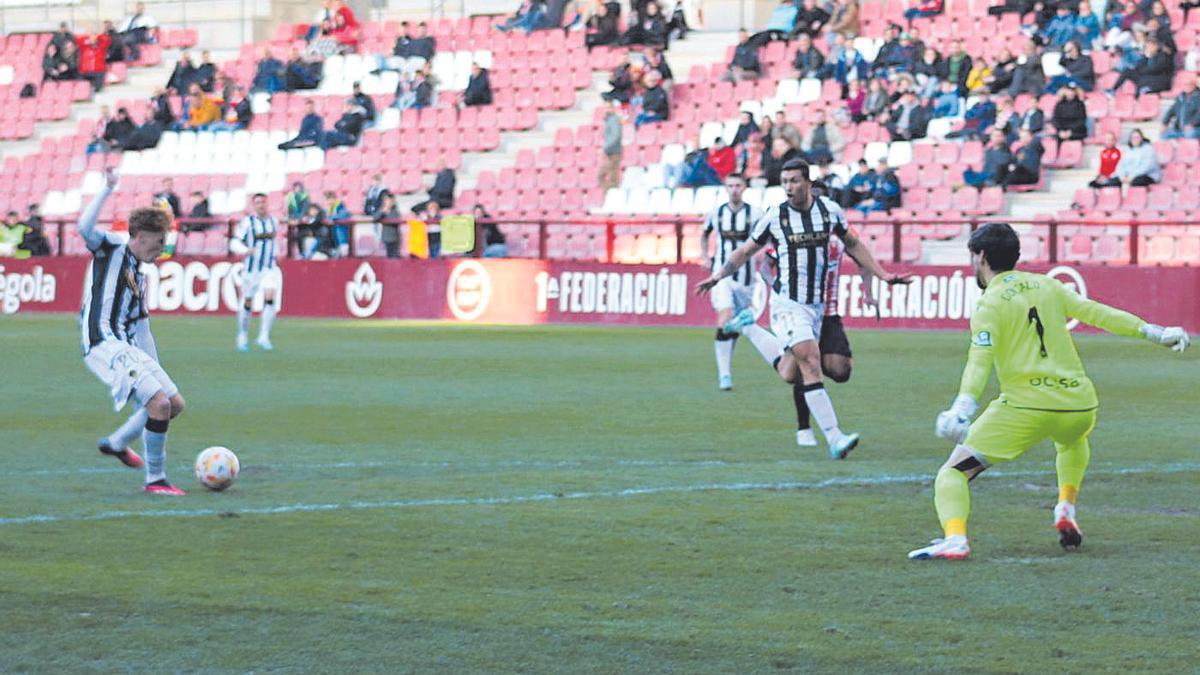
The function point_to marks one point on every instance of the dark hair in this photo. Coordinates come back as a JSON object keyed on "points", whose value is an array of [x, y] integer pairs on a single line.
{"points": [[999, 244], [149, 219], [796, 165], [736, 175], [256, 195]]}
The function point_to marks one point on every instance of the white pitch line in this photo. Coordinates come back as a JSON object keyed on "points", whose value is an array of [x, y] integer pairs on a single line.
{"points": [[865, 481]]}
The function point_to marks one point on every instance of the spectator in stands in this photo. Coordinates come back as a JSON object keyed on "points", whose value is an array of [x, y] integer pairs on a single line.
{"points": [[479, 88], [843, 20], [1012, 7], [139, 28], [346, 34], [887, 58], [621, 81], [98, 142], [116, 44], [957, 66], [747, 125], [373, 197], [401, 48], [205, 74], [54, 66], [977, 120], [649, 29], [928, 72], [976, 83], [656, 59], [610, 166], [1061, 29], [366, 103], [339, 217], [119, 130], [655, 106], [722, 158], [876, 102], [946, 103], [237, 112], [810, 20], [495, 244], [923, 9], [431, 214], [442, 191], [199, 217], [1183, 118], [313, 233], [697, 172], [1087, 25], [603, 27], [808, 61], [787, 131], [885, 191], [1080, 71], [1028, 76], [62, 36], [311, 129], [296, 203], [823, 142], [907, 120], [12, 233], [776, 156], [35, 241], [780, 25], [745, 64], [528, 17], [856, 98], [850, 66], [1003, 70], [1070, 115], [1153, 74], [1032, 119], [1110, 158], [1121, 23], [423, 45], [348, 129], [93, 52], [167, 194], [301, 73], [160, 109], [387, 218], [202, 111], [1026, 165], [183, 75], [859, 186], [268, 73], [1139, 164]]}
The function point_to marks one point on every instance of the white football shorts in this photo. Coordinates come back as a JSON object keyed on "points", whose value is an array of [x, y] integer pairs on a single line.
{"points": [[265, 280], [793, 322], [129, 373], [729, 294]]}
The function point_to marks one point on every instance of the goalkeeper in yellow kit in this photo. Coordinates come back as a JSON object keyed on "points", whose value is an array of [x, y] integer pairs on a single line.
{"points": [[1020, 327]]}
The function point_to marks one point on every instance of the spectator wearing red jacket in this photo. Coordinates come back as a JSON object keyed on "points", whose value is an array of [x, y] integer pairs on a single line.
{"points": [[1110, 157], [722, 158], [93, 58], [345, 30]]}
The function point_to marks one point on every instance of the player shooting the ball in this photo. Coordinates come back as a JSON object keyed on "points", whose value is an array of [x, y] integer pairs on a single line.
{"points": [[1020, 327]]}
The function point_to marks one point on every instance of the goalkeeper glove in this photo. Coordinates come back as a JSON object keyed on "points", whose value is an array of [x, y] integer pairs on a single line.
{"points": [[1174, 337], [954, 423]]}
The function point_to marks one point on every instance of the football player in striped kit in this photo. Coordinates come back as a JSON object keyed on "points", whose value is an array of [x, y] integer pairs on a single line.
{"points": [[255, 238], [731, 222], [800, 229], [117, 344]]}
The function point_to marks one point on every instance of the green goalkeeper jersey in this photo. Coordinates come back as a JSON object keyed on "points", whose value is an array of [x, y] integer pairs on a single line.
{"points": [[1020, 326]]}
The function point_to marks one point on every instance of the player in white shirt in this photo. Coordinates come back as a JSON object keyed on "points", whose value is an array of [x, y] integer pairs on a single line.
{"points": [[255, 237], [800, 230], [115, 335], [731, 222]]}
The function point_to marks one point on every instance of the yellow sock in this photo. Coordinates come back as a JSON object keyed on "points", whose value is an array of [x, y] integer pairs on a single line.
{"points": [[952, 499], [1068, 493], [955, 526]]}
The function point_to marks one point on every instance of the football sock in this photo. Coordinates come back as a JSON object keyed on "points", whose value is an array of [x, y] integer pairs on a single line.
{"points": [[268, 318], [154, 440], [1070, 464], [243, 319], [769, 346], [952, 499], [723, 347], [822, 410], [801, 402], [127, 432]]}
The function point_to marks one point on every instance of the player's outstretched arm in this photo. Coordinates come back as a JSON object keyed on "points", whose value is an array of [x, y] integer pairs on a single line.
{"points": [[1120, 322], [866, 260], [736, 259], [954, 422], [87, 220]]}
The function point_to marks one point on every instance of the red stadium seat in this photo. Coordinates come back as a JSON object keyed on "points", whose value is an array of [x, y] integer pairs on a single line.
{"points": [[1135, 199], [1108, 199], [1161, 198]]}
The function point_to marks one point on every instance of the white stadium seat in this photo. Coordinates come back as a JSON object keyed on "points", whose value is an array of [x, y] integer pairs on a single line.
{"points": [[681, 201], [810, 90], [899, 153], [660, 201]]}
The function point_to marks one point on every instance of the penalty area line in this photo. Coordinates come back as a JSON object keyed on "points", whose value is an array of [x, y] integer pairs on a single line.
{"points": [[849, 481]]}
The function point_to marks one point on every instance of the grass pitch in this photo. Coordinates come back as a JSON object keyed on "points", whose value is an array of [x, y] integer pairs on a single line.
{"points": [[461, 499]]}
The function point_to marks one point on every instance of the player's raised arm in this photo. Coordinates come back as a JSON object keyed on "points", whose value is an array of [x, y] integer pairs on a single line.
{"points": [[87, 220], [1118, 321]]}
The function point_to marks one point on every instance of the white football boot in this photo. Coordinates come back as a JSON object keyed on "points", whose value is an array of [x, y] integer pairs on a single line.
{"points": [[806, 438], [950, 548], [1069, 535]]}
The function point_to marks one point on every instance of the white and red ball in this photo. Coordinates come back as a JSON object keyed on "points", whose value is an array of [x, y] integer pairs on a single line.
{"points": [[217, 467]]}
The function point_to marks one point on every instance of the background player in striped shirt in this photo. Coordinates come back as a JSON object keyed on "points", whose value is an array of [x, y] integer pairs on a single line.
{"points": [[731, 222], [255, 238], [1020, 328], [800, 230], [117, 345]]}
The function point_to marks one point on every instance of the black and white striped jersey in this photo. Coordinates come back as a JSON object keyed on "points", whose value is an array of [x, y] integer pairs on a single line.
{"points": [[114, 293], [802, 240], [732, 227], [258, 234]]}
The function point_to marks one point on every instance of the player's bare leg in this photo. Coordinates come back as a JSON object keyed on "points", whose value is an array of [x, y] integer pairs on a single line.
{"points": [[807, 360], [836, 367], [268, 319], [723, 346], [160, 409], [952, 499]]}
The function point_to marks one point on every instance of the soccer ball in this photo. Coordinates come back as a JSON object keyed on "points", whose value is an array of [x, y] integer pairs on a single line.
{"points": [[216, 467]]}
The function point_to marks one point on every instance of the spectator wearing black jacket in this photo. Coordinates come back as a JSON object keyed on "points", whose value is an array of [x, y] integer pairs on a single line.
{"points": [[495, 244], [1080, 71], [1070, 115], [167, 194], [655, 106], [199, 216], [603, 28], [479, 87], [1032, 119], [373, 197], [268, 72], [183, 75], [387, 217], [996, 158], [347, 130], [958, 67], [1026, 167], [810, 19], [1028, 76], [621, 82], [311, 129], [442, 192], [1151, 75], [1183, 119], [300, 73], [116, 44], [656, 59], [119, 130], [205, 74], [402, 47], [745, 64], [366, 103], [808, 61], [649, 29], [423, 45], [928, 71], [62, 36], [35, 240], [908, 119]]}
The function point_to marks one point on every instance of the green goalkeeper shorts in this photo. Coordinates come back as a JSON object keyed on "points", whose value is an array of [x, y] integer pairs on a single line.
{"points": [[1004, 433]]}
